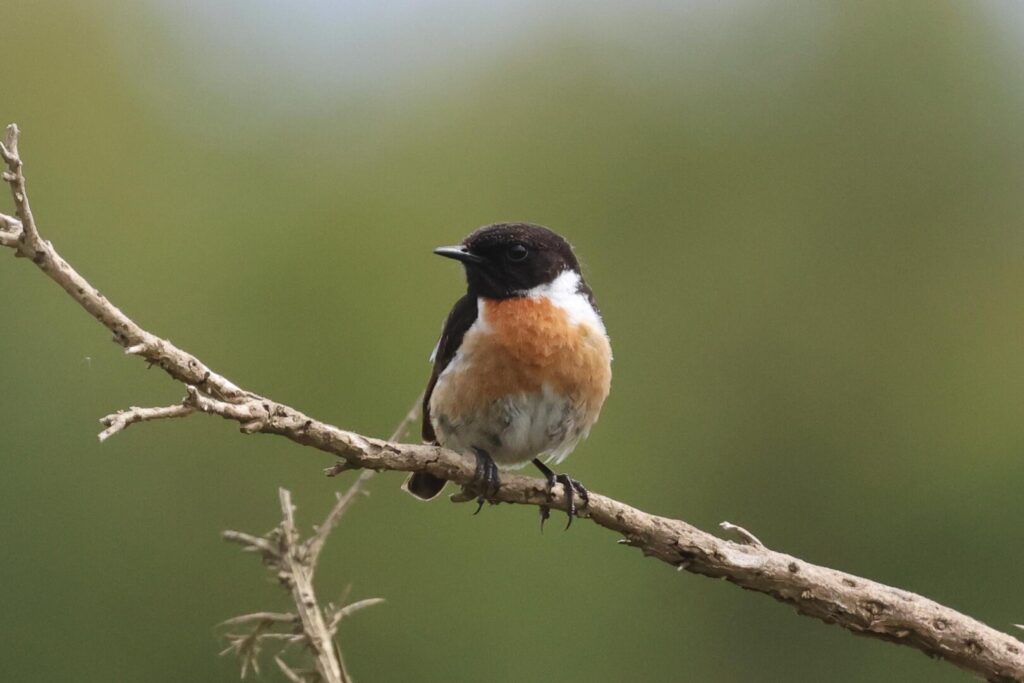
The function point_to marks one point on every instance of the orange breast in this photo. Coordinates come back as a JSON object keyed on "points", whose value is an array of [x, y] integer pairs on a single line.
{"points": [[521, 345]]}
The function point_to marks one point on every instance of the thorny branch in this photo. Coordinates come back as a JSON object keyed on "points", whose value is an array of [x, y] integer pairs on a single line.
{"points": [[293, 562], [247, 646], [861, 606]]}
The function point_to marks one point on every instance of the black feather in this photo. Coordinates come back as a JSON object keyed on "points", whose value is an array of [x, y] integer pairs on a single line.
{"points": [[461, 318], [423, 484]]}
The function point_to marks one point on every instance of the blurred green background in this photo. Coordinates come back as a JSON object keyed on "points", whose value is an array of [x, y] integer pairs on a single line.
{"points": [[802, 221]]}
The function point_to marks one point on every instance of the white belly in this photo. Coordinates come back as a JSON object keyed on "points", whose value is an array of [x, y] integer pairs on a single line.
{"points": [[516, 429]]}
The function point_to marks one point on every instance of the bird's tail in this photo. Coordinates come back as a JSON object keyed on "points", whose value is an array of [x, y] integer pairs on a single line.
{"points": [[423, 485]]}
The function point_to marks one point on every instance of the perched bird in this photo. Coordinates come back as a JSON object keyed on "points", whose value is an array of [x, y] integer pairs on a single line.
{"points": [[523, 364]]}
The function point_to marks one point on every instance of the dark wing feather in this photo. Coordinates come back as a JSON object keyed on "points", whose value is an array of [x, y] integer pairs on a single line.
{"points": [[461, 318]]}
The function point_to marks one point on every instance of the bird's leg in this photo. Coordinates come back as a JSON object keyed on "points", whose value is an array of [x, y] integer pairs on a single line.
{"points": [[486, 481], [571, 487]]}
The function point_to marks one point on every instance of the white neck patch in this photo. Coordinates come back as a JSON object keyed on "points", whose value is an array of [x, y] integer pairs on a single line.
{"points": [[564, 292]]}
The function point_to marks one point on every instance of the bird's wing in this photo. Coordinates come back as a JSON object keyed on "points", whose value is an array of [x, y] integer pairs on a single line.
{"points": [[460, 319]]}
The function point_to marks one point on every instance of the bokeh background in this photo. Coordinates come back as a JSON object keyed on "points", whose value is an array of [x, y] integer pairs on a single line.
{"points": [[803, 221]]}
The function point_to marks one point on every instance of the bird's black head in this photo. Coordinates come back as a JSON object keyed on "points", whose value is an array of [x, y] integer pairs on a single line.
{"points": [[506, 259]]}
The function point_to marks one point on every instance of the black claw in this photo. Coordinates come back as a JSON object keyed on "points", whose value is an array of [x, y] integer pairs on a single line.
{"points": [[545, 511], [570, 498], [571, 487], [478, 473], [486, 480], [495, 481]]}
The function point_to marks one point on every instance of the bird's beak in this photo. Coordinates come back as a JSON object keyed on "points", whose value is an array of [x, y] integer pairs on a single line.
{"points": [[459, 253]]}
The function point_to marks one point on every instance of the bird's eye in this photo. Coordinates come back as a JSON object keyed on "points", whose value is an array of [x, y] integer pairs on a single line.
{"points": [[517, 252]]}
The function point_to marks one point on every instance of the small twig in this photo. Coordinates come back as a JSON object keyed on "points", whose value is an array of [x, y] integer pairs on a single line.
{"points": [[247, 647], [123, 418], [269, 617], [9, 224], [350, 609], [745, 536], [252, 543], [10, 231], [29, 239]]}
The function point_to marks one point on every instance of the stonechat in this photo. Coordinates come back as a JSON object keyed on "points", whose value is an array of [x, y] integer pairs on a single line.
{"points": [[523, 364]]}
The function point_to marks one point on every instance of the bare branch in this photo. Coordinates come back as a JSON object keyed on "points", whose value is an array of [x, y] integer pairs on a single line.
{"points": [[182, 366], [29, 240], [121, 419], [861, 606], [298, 576], [293, 565]]}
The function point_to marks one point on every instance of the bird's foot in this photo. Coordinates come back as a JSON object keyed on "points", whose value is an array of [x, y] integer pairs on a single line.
{"points": [[486, 481], [572, 488]]}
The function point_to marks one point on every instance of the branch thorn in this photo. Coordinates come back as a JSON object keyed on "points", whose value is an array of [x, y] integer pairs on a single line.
{"points": [[745, 536]]}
